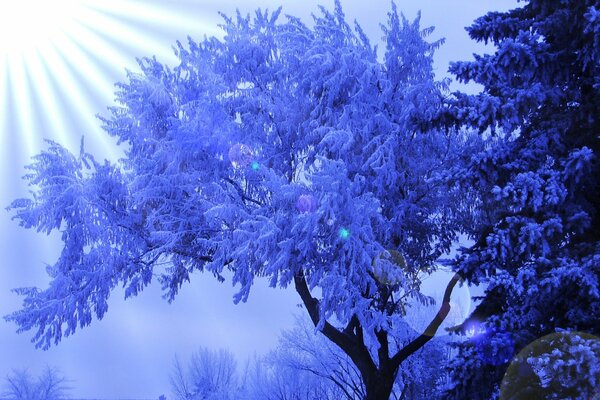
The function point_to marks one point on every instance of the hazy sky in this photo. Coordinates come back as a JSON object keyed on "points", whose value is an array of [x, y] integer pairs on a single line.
{"points": [[54, 93]]}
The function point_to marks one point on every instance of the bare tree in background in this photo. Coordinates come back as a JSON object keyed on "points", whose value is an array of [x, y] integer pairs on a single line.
{"points": [[304, 366], [180, 385], [50, 385], [266, 378], [303, 350], [210, 374]]}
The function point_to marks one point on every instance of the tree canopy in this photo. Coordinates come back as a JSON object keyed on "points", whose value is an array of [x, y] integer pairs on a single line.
{"points": [[282, 151], [537, 219]]}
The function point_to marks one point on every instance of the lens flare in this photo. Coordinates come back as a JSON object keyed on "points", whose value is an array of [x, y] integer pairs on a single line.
{"points": [[558, 365], [344, 233], [433, 286], [306, 203], [240, 155], [389, 267]]}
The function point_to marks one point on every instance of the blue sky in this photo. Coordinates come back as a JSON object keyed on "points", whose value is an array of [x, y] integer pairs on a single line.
{"points": [[54, 94]]}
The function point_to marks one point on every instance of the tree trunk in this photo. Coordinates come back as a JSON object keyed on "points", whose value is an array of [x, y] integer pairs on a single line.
{"points": [[378, 378], [380, 386]]}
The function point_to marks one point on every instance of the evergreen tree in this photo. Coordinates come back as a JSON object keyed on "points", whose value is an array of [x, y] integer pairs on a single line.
{"points": [[537, 214], [282, 151]]}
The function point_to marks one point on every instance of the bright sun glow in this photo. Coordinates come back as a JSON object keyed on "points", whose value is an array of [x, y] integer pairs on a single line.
{"points": [[59, 60], [31, 24]]}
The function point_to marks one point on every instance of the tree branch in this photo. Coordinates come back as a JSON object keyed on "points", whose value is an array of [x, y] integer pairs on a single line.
{"points": [[348, 343], [241, 192], [431, 329], [352, 326]]}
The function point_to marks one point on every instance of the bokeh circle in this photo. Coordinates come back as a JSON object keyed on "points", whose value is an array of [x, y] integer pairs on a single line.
{"points": [[433, 285], [240, 155], [561, 365]]}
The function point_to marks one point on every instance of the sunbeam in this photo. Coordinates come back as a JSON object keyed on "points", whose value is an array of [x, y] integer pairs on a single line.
{"points": [[59, 60], [53, 115], [21, 95]]}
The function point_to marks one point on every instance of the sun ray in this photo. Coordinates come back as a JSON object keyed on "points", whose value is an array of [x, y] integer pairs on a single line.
{"points": [[126, 36], [72, 98], [58, 67], [162, 18], [105, 53], [5, 135], [56, 118], [4, 93], [85, 64], [20, 92], [87, 73]]}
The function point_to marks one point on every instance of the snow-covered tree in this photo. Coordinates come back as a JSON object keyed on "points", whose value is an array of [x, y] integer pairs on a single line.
{"points": [[282, 151], [538, 220], [209, 374], [271, 378], [21, 385], [305, 351]]}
